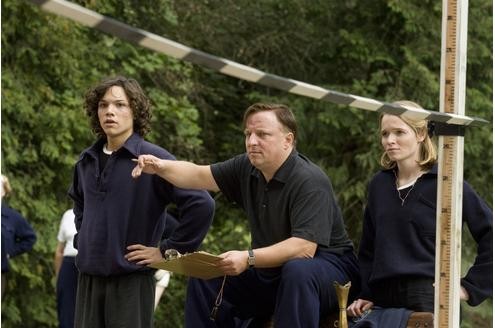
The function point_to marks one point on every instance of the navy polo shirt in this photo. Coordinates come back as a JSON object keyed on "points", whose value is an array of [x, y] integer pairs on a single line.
{"points": [[113, 210], [297, 202]]}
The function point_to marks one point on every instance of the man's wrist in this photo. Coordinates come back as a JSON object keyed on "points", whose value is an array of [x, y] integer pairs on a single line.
{"points": [[251, 260]]}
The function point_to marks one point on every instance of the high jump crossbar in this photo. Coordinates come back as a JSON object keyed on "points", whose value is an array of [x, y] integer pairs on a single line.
{"points": [[179, 51]]}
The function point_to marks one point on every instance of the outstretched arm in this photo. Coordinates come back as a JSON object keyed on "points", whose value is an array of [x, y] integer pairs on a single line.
{"points": [[181, 174]]}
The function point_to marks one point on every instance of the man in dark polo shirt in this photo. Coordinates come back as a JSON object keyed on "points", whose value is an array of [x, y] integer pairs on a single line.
{"points": [[119, 220], [298, 238]]}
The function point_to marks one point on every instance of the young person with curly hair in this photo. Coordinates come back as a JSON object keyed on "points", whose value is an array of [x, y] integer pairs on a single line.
{"points": [[119, 220]]}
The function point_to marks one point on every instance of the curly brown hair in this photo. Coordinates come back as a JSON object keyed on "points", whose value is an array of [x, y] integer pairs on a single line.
{"points": [[138, 101]]}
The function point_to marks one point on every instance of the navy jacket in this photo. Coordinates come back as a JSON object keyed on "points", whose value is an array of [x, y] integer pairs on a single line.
{"points": [[113, 210], [400, 240], [17, 235]]}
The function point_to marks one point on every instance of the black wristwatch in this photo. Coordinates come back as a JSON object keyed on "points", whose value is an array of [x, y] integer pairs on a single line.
{"points": [[251, 258]]}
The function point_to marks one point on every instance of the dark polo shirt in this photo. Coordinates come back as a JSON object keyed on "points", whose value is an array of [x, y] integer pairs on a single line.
{"points": [[297, 202], [113, 210]]}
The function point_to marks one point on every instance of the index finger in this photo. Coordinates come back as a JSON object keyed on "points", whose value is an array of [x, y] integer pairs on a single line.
{"points": [[367, 306], [135, 247]]}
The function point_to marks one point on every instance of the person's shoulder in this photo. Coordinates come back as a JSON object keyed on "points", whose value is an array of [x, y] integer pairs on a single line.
{"points": [[89, 151], [10, 213], [239, 158], [6, 210], [381, 176], [308, 172], [84, 153], [70, 211], [468, 191], [301, 159], [307, 166], [155, 150], [236, 160], [238, 166], [68, 215]]}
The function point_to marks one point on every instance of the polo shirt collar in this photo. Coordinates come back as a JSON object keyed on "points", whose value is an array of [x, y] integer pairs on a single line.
{"points": [[432, 172], [284, 171], [132, 145]]}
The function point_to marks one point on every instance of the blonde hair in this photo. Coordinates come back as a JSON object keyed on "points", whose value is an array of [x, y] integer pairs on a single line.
{"points": [[427, 149], [6, 188]]}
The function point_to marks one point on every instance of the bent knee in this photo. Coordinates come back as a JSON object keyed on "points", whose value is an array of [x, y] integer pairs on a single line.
{"points": [[296, 270]]}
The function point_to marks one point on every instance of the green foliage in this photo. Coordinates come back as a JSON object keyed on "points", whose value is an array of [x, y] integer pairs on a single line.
{"points": [[384, 49], [48, 63]]}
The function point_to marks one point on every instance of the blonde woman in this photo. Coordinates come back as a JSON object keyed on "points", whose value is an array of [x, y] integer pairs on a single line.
{"points": [[397, 248]]}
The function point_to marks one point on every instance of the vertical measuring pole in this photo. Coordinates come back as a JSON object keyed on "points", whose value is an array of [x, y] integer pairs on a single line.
{"points": [[450, 166]]}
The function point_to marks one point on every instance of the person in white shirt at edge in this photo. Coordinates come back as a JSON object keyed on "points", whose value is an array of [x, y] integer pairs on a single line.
{"points": [[66, 271]]}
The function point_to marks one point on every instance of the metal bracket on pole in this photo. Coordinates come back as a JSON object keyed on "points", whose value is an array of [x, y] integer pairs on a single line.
{"points": [[444, 129]]}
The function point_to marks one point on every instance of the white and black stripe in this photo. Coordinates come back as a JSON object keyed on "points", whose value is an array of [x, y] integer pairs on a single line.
{"points": [[171, 48]]}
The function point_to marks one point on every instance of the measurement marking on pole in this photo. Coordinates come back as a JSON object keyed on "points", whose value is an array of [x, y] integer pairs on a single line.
{"points": [[454, 28]]}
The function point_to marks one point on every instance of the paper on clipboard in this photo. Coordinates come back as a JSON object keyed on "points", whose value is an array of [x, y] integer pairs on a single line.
{"points": [[197, 264]]}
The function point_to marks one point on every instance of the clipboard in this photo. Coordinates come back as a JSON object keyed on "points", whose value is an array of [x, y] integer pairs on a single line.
{"points": [[198, 265]]}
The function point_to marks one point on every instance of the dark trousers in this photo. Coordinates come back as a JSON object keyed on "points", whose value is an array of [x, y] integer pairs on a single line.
{"points": [[297, 294], [120, 301], [410, 292], [66, 292]]}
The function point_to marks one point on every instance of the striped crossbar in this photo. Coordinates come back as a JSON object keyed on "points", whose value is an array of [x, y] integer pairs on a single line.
{"points": [[171, 48]]}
